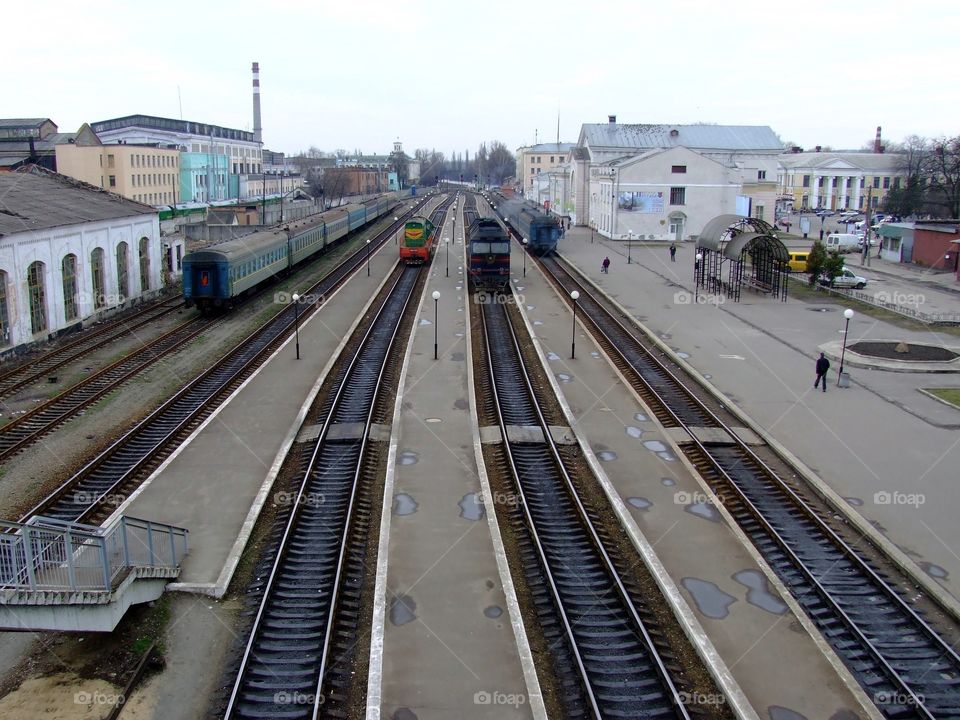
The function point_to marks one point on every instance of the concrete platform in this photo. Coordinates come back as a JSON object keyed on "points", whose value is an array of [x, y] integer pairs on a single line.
{"points": [[875, 443], [448, 648], [216, 483], [777, 664]]}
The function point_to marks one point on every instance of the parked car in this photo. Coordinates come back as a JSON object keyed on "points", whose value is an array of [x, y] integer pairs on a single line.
{"points": [[798, 261], [846, 279]]}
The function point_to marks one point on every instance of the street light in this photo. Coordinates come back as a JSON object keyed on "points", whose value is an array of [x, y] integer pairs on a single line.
{"points": [[296, 321], [696, 276], [436, 320], [396, 235], [629, 243], [446, 244], [848, 314], [524, 241], [368, 258], [573, 337]]}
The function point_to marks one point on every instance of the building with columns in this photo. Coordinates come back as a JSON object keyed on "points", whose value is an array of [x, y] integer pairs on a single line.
{"points": [[837, 180]]}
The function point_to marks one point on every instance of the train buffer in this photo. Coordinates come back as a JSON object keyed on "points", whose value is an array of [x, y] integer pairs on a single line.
{"points": [[57, 575]]}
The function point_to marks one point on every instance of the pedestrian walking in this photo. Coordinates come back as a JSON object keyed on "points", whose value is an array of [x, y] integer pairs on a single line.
{"points": [[822, 366], [673, 252], [605, 267]]}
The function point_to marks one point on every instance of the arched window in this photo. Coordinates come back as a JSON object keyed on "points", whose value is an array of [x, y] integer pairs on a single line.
{"points": [[144, 264], [4, 311], [69, 272], [38, 297], [99, 286], [123, 281]]}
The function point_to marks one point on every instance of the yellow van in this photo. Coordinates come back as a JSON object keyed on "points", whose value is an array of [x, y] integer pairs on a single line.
{"points": [[798, 262]]}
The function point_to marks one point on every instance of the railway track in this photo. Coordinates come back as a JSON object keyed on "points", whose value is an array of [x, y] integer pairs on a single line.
{"points": [[611, 651], [91, 339], [289, 666], [92, 493], [902, 663]]}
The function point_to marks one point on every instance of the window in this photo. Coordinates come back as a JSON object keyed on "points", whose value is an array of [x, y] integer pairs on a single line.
{"points": [[123, 281], [886, 183], [179, 251], [820, 181], [863, 180], [677, 195], [806, 181], [113, 181], [758, 212], [110, 161], [532, 171], [96, 271], [144, 264], [4, 312], [761, 174], [679, 169], [551, 159], [876, 182], [69, 272], [896, 183], [37, 294]]}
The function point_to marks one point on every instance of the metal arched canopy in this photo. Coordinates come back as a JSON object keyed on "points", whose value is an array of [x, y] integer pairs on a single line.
{"points": [[731, 235]]}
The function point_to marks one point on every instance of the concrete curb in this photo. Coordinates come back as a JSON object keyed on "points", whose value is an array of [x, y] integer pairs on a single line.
{"points": [[219, 588], [378, 625], [942, 597], [938, 399], [826, 650], [534, 694], [834, 349]]}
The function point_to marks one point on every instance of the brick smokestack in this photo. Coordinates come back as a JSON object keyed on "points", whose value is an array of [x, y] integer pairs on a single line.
{"points": [[877, 147], [257, 127]]}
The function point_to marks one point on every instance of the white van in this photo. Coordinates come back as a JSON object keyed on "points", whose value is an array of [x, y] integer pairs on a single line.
{"points": [[842, 242]]}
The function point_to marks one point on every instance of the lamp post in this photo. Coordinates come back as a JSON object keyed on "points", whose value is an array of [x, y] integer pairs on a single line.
{"points": [[573, 337], [446, 243], [368, 258], [524, 241], [396, 235], [696, 277], [436, 320], [296, 321], [629, 243], [848, 314]]}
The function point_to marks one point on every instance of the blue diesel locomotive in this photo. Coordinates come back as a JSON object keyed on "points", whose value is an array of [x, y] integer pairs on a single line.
{"points": [[216, 276], [489, 250], [542, 231]]}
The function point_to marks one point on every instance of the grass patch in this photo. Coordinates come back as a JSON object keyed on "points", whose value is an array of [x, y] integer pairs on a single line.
{"points": [[950, 395]]}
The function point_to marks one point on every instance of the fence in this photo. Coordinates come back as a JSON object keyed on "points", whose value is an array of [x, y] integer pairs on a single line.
{"points": [[51, 555]]}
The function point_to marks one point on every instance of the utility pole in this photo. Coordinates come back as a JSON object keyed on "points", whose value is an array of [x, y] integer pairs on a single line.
{"points": [[865, 258]]}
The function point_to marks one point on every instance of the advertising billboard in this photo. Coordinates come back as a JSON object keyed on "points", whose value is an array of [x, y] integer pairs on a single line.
{"points": [[649, 203]]}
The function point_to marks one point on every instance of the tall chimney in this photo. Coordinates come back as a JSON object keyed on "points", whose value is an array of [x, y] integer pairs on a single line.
{"points": [[257, 128], [877, 147], [612, 119]]}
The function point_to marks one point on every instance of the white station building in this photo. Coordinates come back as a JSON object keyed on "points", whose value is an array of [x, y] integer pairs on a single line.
{"points": [[70, 254]]}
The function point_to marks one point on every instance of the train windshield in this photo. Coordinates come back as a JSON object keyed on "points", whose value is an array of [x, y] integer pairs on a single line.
{"points": [[488, 248]]}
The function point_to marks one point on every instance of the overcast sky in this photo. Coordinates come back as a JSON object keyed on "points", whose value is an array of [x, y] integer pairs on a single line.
{"points": [[358, 74]]}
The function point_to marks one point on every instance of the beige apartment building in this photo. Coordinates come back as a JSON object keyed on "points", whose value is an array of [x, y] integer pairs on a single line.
{"points": [[146, 173], [536, 159]]}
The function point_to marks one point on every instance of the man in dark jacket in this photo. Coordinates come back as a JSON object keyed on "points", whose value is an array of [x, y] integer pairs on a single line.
{"points": [[822, 366]]}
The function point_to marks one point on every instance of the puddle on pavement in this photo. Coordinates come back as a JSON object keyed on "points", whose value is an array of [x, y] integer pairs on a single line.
{"points": [[552, 356], [668, 482], [605, 455], [433, 420], [493, 611], [707, 377], [520, 287], [639, 502], [654, 446], [458, 334], [934, 570], [424, 321], [667, 456], [564, 378], [538, 322], [855, 501], [683, 355], [408, 457], [531, 307], [458, 356], [709, 598], [403, 609], [404, 504], [461, 404], [634, 432], [594, 354], [640, 417], [471, 508], [782, 713], [703, 510], [404, 714], [759, 592]]}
